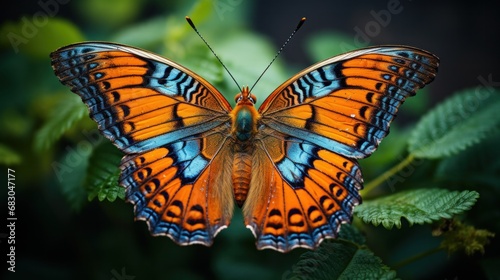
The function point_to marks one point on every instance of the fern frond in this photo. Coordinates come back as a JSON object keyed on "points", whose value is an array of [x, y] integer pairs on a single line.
{"points": [[417, 206], [103, 173]]}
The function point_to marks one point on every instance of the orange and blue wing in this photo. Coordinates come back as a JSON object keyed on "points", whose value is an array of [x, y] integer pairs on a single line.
{"points": [[178, 188], [169, 122], [346, 103], [307, 192], [138, 99], [311, 131]]}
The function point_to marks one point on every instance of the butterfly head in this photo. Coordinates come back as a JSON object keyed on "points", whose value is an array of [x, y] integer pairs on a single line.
{"points": [[245, 97]]}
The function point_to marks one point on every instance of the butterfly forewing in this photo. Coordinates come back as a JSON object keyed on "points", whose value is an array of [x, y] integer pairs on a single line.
{"points": [[138, 99], [346, 103], [171, 124]]}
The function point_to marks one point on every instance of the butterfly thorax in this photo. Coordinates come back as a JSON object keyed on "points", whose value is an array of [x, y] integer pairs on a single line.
{"points": [[244, 116], [244, 127]]}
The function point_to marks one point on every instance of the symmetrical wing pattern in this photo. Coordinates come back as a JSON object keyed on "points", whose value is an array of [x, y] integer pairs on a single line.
{"points": [[292, 164]]}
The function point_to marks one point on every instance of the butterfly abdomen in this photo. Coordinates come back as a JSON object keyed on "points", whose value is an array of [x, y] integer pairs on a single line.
{"points": [[242, 171], [243, 132]]}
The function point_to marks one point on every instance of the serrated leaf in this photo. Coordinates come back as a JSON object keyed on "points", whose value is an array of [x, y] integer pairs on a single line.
{"points": [[417, 206], [103, 173], [69, 110], [339, 260], [461, 121], [478, 164]]}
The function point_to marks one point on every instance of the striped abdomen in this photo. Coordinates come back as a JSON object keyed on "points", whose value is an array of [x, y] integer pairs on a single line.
{"points": [[242, 171]]}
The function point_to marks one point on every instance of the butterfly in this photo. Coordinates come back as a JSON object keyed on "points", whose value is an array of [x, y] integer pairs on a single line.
{"points": [[291, 165]]}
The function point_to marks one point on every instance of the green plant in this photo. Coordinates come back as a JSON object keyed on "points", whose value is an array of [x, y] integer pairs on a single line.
{"points": [[433, 182]]}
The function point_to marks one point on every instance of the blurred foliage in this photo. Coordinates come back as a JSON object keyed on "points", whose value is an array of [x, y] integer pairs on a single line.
{"points": [[461, 237], [445, 165]]}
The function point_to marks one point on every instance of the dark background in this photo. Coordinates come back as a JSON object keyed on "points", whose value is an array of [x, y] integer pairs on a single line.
{"points": [[99, 240]]}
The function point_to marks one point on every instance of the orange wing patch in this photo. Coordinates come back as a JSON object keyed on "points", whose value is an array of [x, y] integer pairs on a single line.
{"points": [[302, 197], [189, 202]]}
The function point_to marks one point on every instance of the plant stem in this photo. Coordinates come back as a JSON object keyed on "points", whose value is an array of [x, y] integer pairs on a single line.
{"points": [[417, 257], [388, 174]]}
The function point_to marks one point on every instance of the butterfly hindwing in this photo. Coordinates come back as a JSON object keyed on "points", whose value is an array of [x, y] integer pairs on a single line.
{"points": [[170, 123], [178, 189], [308, 192], [312, 129]]}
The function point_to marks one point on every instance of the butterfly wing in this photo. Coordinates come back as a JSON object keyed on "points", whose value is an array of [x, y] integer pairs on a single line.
{"points": [[170, 123], [302, 193], [312, 129], [178, 188]]}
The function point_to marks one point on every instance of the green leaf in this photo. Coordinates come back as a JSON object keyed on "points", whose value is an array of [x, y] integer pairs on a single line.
{"points": [[201, 10], [204, 63], [392, 149], [103, 173], [351, 233], [8, 156], [143, 34], [322, 45], [109, 14], [339, 260], [37, 36], [65, 114], [15, 124], [417, 206], [461, 121], [246, 55], [70, 173], [479, 164]]}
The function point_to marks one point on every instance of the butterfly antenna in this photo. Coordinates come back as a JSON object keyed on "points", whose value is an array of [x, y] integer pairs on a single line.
{"points": [[210, 48], [302, 20]]}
